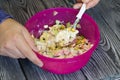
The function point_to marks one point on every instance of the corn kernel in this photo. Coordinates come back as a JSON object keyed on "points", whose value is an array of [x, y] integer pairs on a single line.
{"points": [[63, 26], [73, 30], [83, 41], [69, 29], [76, 48]]}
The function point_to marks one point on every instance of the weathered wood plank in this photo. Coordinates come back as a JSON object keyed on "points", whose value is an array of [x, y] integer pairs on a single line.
{"points": [[101, 64], [104, 61], [108, 26], [10, 69], [54, 3], [21, 10], [109, 44]]}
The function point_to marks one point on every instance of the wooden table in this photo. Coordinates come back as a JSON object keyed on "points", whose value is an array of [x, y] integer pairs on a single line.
{"points": [[105, 61]]}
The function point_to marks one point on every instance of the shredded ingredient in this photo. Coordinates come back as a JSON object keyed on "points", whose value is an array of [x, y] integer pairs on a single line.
{"points": [[61, 41]]}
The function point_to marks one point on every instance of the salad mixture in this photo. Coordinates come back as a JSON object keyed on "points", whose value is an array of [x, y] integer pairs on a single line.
{"points": [[61, 41]]}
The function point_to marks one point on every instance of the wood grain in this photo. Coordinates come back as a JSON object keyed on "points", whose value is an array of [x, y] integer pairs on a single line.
{"points": [[10, 69], [105, 61]]}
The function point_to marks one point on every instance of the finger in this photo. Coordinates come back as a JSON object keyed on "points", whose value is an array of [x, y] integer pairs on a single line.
{"points": [[29, 39], [86, 1], [3, 51], [77, 5], [10, 51], [9, 54], [16, 52], [92, 3], [27, 51]]}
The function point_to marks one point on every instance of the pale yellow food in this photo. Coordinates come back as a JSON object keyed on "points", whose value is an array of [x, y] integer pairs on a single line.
{"points": [[60, 41]]}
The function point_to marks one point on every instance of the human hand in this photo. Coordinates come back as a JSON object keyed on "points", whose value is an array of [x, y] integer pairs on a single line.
{"points": [[90, 3], [16, 42]]}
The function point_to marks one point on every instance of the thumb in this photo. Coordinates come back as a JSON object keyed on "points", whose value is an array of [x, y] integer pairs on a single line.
{"points": [[85, 1], [77, 5]]}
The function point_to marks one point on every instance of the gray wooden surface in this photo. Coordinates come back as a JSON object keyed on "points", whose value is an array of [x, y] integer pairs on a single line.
{"points": [[105, 61]]}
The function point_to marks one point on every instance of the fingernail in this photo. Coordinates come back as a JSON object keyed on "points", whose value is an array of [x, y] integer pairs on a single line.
{"points": [[77, 6]]}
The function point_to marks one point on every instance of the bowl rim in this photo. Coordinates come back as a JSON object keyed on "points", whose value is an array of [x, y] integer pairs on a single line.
{"points": [[75, 57]]}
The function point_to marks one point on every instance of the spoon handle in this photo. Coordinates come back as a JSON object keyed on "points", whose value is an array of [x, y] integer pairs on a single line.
{"points": [[79, 15], [81, 12]]}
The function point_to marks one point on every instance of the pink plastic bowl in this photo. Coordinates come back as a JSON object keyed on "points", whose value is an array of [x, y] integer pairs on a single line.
{"points": [[88, 28]]}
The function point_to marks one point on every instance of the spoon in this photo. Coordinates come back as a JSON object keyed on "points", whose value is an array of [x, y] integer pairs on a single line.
{"points": [[79, 15]]}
